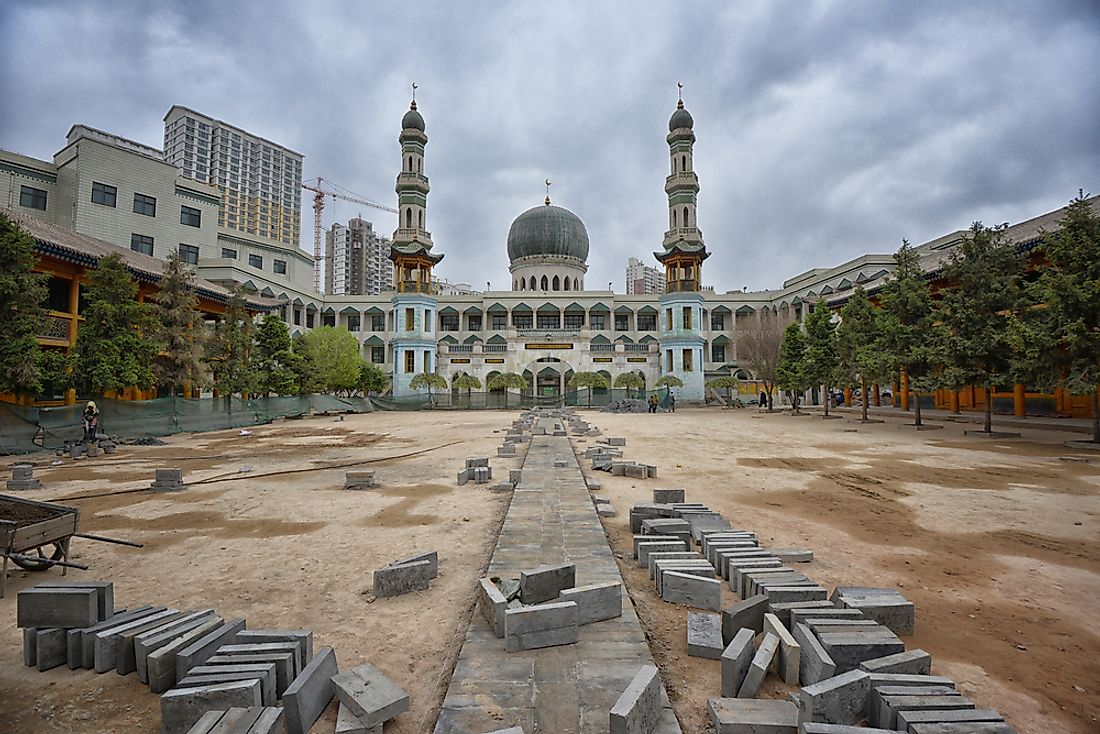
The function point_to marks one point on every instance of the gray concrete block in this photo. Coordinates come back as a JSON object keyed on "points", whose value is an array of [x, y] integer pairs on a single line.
{"points": [[45, 607], [907, 719], [759, 666], [789, 658], [963, 728], [493, 604], [735, 661], [126, 654], [879, 712], [51, 648], [464, 476], [108, 643], [266, 679], [792, 555], [30, 646], [477, 461], [905, 679], [285, 663], [606, 510], [306, 697], [749, 716], [816, 665], [639, 538], [544, 583], [160, 664], [783, 594], [105, 593], [360, 479], [638, 708], [369, 695], [431, 557], [653, 556], [916, 662], [181, 708], [710, 550], [595, 602], [892, 705], [761, 585], [693, 566], [849, 649], [515, 476], [842, 699], [147, 642], [739, 577], [813, 727], [692, 590], [886, 606], [728, 565], [704, 635], [404, 579], [266, 673], [509, 730], [201, 649], [663, 496], [346, 723], [540, 625], [744, 614], [302, 638], [801, 615], [645, 548], [783, 609], [507, 450]]}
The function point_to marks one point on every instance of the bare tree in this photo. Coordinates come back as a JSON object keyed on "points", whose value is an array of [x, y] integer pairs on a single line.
{"points": [[759, 344]]}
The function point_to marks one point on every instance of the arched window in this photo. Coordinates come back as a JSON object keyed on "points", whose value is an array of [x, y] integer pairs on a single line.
{"points": [[674, 225], [410, 163], [545, 283], [683, 163], [557, 283], [567, 284], [419, 165], [685, 216], [408, 218], [420, 216], [576, 284], [533, 286], [674, 164]]}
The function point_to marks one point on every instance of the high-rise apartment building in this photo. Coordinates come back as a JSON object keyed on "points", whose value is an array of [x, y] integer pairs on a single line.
{"points": [[640, 278], [356, 260], [260, 181]]}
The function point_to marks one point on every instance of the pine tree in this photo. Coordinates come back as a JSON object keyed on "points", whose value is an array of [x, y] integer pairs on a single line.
{"points": [[115, 348], [373, 379], [906, 325], [983, 277], [859, 359], [792, 375], [273, 358], [333, 356], [230, 352], [821, 349], [1058, 339], [22, 293], [180, 333]]}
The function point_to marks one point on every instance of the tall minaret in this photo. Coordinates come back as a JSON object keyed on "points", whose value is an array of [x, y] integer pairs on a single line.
{"points": [[682, 327], [414, 305]]}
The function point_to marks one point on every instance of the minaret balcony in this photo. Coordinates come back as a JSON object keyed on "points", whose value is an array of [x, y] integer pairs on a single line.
{"points": [[412, 234], [688, 234], [682, 180], [415, 181], [682, 286], [415, 286]]}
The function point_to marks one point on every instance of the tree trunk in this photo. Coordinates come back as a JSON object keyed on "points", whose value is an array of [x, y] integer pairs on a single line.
{"points": [[988, 408], [1096, 414], [863, 396], [916, 411], [828, 397]]}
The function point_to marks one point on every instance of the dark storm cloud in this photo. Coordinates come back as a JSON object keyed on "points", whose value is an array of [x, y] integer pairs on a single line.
{"points": [[825, 130]]}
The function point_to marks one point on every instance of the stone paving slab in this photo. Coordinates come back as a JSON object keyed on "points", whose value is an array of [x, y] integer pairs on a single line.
{"points": [[569, 689]]}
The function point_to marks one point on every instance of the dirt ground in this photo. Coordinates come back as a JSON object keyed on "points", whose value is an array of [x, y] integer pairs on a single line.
{"points": [[998, 543], [290, 551]]}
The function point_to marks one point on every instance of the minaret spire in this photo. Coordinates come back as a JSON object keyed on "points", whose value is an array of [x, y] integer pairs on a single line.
{"points": [[684, 251], [412, 243], [548, 182]]}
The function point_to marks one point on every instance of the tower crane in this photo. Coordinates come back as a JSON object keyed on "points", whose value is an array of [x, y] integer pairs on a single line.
{"points": [[319, 194]]}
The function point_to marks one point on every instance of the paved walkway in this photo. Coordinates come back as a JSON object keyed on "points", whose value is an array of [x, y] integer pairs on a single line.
{"points": [[560, 690]]}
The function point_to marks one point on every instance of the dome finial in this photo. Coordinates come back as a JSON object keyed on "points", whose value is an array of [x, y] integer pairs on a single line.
{"points": [[412, 105], [547, 202], [680, 95]]}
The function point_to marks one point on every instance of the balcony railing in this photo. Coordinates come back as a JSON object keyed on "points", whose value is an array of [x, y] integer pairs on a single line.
{"points": [[460, 348], [408, 233], [555, 333], [54, 327], [414, 286], [635, 347], [601, 347], [494, 348], [681, 286]]}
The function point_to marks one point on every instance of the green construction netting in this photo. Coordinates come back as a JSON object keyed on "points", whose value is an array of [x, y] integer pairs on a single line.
{"points": [[495, 400], [28, 429]]}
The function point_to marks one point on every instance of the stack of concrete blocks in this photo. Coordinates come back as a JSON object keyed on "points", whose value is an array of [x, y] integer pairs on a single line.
{"points": [[367, 699], [886, 606], [667, 496], [639, 709], [613, 441], [507, 450], [167, 480], [22, 478], [604, 508], [477, 469], [918, 703], [362, 479], [255, 720], [406, 575], [47, 613]]}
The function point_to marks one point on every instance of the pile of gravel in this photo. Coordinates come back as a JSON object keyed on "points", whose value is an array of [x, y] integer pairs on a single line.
{"points": [[625, 406]]}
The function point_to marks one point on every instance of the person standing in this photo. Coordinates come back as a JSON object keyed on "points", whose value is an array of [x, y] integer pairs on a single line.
{"points": [[652, 403], [91, 421], [671, 402]]}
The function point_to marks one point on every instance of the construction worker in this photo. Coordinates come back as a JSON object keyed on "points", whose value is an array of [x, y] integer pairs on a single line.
{"points": [[91, 421]]}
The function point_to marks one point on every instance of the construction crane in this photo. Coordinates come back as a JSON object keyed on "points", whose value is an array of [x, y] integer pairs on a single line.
{"points": [[319, 194]]}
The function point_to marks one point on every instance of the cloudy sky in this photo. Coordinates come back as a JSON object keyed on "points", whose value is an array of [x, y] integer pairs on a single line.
{"points": [[825, 130]]}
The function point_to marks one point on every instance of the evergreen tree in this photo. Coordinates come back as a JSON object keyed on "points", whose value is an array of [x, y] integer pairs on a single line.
{"points": [[22, 293], [179, 334], [983, 276], [792, 374], [589, 380], [859, 360], [507, 381], [629, 381], [273, 358], [468, 383], [821, 350], [230, 349], [333, 356], [430, 381], [373, 379], [115, 348], [905, 320], [305, 372], [1059, 337]]}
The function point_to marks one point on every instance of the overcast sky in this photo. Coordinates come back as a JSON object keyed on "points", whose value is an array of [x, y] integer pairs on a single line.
{"points": [[825, 130]]}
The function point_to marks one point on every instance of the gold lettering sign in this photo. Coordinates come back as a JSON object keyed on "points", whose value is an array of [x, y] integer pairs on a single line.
{"points": [[494, 360], [460, 360], [536, 345], [602, 359], [636, 359]]}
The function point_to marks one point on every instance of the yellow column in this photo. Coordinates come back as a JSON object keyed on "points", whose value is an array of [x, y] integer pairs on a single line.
{"points": [[1019, 399], [953, 400], [847, 397], [904, 390], [74, 312]]}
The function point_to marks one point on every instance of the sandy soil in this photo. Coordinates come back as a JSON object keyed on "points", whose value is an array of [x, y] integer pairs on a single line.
{"points": [[288, 551], [997, 543]]}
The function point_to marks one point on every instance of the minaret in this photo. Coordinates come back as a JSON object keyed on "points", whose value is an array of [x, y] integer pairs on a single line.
{"points": [[414, 305], [682, 324]]}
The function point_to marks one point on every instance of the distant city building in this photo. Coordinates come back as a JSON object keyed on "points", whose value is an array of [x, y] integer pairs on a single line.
{"points": [[640, 278], [260, 181], [357, 260], [444, 287]]}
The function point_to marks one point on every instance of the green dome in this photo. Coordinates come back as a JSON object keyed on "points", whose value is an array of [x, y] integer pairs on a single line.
{"points": [[680, 118], [412, 119], [548, 230]]}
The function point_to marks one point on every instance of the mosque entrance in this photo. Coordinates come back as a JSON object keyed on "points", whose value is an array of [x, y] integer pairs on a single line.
{"points": [[549, 377]]}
